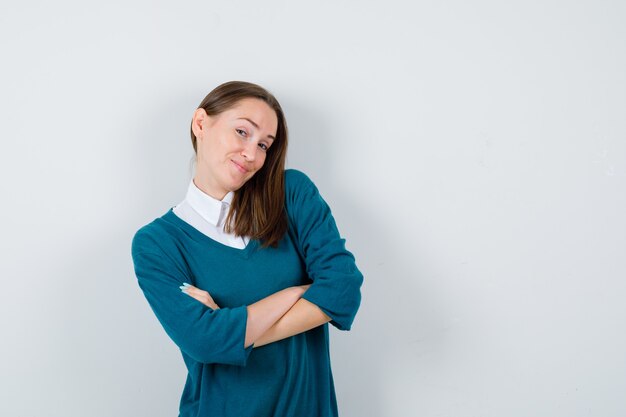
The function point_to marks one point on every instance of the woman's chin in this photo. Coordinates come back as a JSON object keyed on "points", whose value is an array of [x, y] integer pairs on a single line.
{"points": [[239, 181]]}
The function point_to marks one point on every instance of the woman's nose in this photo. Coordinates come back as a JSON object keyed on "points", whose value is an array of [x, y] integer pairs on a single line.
{"points": [[249, 150]]}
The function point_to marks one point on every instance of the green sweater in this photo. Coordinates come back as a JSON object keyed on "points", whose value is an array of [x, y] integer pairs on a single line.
{"points": [[290, 377]]}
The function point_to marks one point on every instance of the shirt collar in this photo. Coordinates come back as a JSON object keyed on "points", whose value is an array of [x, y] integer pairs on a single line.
{"points": [[211, 209]]}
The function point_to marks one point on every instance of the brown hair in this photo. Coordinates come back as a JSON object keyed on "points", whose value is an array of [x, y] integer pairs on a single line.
{"points": [[260, 202]]}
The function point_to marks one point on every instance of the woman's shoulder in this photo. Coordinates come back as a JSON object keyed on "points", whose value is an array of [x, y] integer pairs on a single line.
{"points": [[294, 179], [156, 235], [301, 193], [295, 175]]}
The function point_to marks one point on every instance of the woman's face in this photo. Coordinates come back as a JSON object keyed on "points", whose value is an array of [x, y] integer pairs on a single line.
{"points": [[231, 146]]}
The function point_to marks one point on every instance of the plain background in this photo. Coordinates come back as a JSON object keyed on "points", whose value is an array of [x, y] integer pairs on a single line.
{"points": [[473, 154]]}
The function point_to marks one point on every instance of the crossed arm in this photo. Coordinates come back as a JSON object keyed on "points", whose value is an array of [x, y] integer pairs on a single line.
{"points": [[275, 317]]}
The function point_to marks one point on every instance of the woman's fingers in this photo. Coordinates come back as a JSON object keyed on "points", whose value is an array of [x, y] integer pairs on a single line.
{"points": [[203, 296]]}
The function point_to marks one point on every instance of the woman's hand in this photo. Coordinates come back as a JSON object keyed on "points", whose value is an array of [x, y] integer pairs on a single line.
{"points": [[203, 296]]}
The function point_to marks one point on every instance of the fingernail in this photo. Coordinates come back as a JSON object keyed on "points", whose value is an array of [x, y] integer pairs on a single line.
{"points": [[185, 284]]}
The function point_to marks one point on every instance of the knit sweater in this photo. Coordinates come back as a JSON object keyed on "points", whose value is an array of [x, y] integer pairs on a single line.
{"points": [[289, 377]]}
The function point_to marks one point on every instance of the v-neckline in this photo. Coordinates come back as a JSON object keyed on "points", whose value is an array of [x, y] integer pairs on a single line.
{"points": [[173, 218]]}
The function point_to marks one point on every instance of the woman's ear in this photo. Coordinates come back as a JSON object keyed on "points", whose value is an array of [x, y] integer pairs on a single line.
{"points": [[199, 122]]}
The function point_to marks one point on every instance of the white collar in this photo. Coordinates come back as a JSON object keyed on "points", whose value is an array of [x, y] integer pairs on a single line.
{"points": [[211, 209]]}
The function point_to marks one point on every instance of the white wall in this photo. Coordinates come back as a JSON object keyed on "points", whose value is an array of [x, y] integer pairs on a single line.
{"points": [[473, 154]]}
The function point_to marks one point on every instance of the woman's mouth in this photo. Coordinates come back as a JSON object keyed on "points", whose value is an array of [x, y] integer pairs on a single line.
{"points": [[239, 167]]}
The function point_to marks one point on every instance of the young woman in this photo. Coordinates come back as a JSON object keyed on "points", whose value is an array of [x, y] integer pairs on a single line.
{"points": [[248, 270]]}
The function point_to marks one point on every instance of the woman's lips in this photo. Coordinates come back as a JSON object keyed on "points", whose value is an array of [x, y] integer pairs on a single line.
{"points": [[239, 167]]}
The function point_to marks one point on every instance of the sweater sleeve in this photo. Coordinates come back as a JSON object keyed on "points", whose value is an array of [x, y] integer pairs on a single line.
{"points": [[336, 278], [206, 335]]}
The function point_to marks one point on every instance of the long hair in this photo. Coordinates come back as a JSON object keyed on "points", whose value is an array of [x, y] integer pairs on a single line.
{"points": [[260, 203]]}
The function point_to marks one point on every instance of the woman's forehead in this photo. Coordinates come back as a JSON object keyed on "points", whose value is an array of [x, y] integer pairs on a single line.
{"points": [[257, 112]]}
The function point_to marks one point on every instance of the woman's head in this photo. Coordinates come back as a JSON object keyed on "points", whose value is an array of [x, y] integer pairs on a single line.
{"points": [[238, 131], [239, 136]]}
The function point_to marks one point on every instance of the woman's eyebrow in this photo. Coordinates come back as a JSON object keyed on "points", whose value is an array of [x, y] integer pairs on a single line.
{"points": [[257, 126]]}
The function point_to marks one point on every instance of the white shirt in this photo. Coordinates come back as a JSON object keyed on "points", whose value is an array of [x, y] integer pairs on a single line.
{"points": [[207, 214]]}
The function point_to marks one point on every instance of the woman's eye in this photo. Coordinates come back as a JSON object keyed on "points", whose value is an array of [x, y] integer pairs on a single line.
{"points": [[240, 130], [263, 146]]}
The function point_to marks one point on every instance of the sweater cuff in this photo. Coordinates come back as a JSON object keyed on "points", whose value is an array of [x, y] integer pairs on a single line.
{"points": [[245, 351], [319, 298]]}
